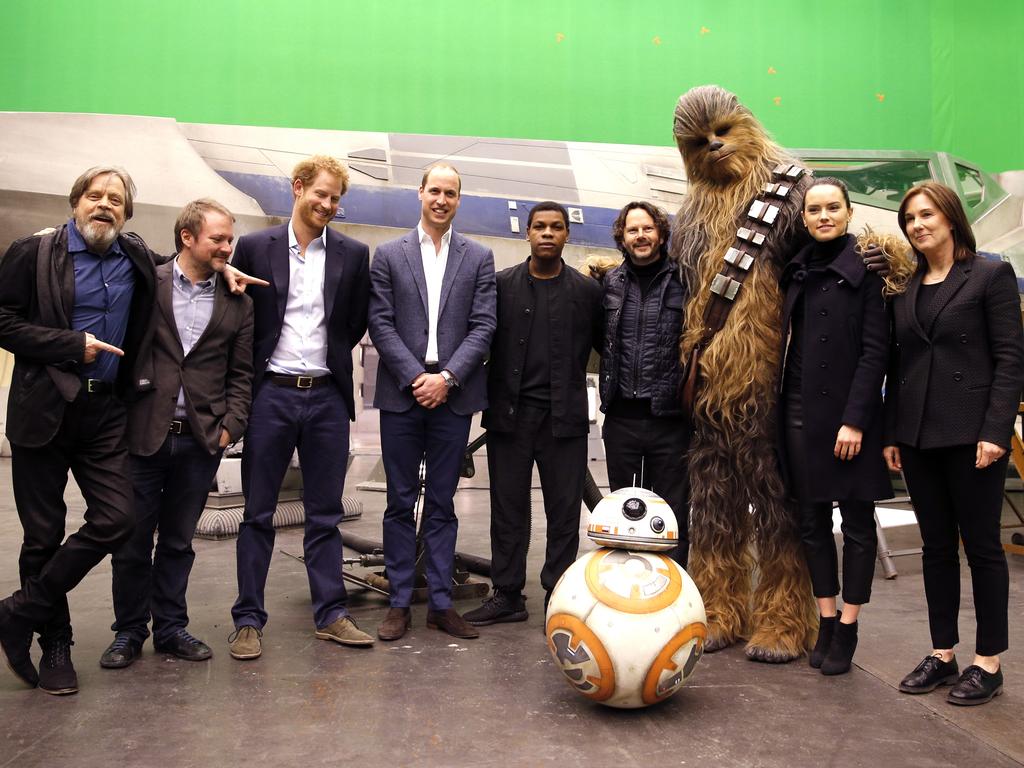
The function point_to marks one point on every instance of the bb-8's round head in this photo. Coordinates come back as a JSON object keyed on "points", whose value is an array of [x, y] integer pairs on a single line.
{"points": [[634, 518]]}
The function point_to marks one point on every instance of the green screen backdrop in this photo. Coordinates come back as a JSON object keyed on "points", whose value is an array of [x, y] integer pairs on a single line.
{"points": [[869, 74]]}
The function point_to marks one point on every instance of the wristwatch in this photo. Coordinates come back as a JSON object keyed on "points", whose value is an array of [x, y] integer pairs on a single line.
{"points": [[449, 379]]}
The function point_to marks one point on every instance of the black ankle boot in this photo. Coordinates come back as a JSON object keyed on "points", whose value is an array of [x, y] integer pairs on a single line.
{"points": [[826, 628], [840, 653]]}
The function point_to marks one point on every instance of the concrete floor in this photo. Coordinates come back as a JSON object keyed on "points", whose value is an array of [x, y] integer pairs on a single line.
{"points": [[431, 701]]}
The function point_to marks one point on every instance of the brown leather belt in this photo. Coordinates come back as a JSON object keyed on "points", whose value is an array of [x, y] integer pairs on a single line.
{"points": [[299, 382]]}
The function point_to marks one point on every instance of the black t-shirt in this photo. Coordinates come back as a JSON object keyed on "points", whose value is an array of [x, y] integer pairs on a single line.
{"points": [[925, 296], [536, 387]]}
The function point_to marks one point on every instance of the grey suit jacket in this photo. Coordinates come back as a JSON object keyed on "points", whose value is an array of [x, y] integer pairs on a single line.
{"points": [[216, 374], [398, 320]]}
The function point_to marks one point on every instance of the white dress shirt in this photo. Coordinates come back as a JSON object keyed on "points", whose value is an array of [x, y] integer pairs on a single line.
{"points": [[434, 264], [302, 348]]}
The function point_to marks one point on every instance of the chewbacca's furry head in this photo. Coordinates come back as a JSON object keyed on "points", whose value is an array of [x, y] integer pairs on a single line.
{"points": [[719, 138]]}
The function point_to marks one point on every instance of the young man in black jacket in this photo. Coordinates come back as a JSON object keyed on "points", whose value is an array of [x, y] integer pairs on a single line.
{"points": [[549, 319], [645, 435]]}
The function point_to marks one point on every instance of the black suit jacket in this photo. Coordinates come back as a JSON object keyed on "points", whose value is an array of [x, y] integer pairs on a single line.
{"points": [[576, 327], [35, 324], [956, 377], [216, 373], [264, 254]]}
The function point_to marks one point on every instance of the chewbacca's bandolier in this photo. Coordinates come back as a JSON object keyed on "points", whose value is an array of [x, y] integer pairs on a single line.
{"points": [[738, 224]]}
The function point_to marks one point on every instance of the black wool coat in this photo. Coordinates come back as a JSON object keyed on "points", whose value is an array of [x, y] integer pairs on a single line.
{"points": [[846, 348], [956, 377]]}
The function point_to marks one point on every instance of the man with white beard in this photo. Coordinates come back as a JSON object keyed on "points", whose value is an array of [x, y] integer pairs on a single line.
{"points": [[75, 306]]}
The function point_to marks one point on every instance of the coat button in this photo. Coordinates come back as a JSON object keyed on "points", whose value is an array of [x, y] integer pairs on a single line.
{"points": [[823, 365], [824, 289], [823, 338], [515, 371], [963, 338], [511, 411], [957, 376], [521, 342], [527, 310], [824, 391], [903, 382], [823, 312]]}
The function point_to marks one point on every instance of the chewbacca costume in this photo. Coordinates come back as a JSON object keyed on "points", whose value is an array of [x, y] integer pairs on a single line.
{"points": [[739, 223]]}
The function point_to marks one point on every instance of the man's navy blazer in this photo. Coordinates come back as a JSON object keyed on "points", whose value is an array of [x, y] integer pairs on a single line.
{"points": [[264, 254], [399, 326]]}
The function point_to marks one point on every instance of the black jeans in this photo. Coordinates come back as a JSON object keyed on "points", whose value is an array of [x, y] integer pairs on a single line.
{"points": [[955, 501], [90, 443], [651, 453], [860, 536], [562, 466], [170, 491]]}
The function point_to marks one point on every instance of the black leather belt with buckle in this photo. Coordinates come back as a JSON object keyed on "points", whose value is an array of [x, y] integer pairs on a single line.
{"points": [[299, 382], [97, 386], [180, 428]]}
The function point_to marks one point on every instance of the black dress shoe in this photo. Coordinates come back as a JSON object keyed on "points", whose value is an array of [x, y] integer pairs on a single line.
{"points": [[123, 651], [57, 674], [929, 675], [976, 686], [184, 646], [449, 621], [15, 647], [499, 607]]}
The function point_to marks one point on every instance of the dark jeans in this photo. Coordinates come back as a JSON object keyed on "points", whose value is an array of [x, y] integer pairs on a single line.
{"points": [[316, 422], [90, 444], [562, 465], [438, 436], [860, 536], [955, 501], [651, 453], [170, 492]]}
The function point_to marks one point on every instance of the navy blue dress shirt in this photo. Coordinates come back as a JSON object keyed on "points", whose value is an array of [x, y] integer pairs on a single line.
{"points": [[103, 296]]}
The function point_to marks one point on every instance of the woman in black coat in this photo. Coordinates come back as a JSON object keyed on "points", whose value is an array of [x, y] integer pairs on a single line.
{"points": [[831, 413], [954, 388]]}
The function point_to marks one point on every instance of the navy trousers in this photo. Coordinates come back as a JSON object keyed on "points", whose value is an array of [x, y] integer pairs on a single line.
{"points": [[170, 492], [91, 444], [316, 421], [440, 437]]}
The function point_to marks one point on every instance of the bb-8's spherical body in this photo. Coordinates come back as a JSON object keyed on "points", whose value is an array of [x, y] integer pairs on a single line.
{"points": [[627, 627]]}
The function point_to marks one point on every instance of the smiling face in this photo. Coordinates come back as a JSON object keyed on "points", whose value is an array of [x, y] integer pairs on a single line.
{"points": [[439, 199], [547, 234], [826, 214], [317, 202], [927, 228], [100, 212], [211, 248], [640, 237]]}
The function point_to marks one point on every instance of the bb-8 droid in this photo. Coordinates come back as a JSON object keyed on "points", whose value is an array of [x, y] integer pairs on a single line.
{"points": [[625, 623]]}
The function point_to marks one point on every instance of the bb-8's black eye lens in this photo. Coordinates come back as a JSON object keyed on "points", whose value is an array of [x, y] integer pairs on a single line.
{"points": [[657, 525], [634, 509]]}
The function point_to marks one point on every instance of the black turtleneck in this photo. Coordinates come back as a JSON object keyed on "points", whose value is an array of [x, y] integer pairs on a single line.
{"points": [[645, 274]]}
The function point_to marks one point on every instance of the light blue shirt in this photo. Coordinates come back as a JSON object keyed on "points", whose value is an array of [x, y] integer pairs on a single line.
{"points": [[193, 308]]}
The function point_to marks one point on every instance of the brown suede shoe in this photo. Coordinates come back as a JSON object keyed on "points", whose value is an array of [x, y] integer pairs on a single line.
{"points": [[394, 625], [449, 621]]}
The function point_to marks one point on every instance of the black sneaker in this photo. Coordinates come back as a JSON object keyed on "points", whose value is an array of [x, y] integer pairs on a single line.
{"points": [[184, 646], [498, 608], [929, 675], [15, 647], [56, 672], [123, 651], [976, 686]]}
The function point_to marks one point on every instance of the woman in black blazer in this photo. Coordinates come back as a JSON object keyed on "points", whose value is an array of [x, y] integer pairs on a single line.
{"points": [[953, 390], [831, 413]]}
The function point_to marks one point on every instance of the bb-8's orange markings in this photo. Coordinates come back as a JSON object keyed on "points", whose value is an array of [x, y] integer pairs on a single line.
{"points": [[636, 602], [664, 663], [602, 685]]}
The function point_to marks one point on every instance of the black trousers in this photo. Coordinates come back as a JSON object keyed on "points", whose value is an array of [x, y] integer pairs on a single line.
{"points": [[860, 536], [562, 466], [91, 444], [651, 453], [954, 501]]}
